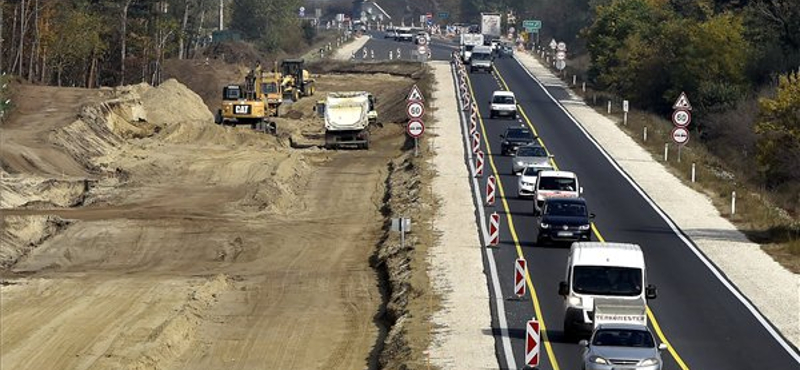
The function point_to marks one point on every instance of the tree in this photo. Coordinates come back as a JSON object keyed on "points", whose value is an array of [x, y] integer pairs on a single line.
{"points": [[779, 133]]}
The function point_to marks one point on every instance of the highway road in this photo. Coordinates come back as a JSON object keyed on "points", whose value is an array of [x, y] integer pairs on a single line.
{"points": [[706, 325], [440, 50]]}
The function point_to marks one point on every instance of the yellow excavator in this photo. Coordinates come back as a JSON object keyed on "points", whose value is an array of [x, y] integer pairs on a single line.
{"points": [[249, 103]]}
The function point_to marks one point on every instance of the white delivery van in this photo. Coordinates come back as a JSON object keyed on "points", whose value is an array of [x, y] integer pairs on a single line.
{"points": [[597, 272], [550, 184]]}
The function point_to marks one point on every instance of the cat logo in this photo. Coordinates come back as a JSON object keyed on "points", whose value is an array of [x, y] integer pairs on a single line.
{"points": [[241, 109]]}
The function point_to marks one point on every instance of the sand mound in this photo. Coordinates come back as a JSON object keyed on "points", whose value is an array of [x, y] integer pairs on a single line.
{"points": [[21, 234], [172, 102]]}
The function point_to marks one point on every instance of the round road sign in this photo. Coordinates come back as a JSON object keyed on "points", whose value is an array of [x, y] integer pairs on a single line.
{"points": [[415, 109], [561, 64], [422, 41], [422, 49], [415, 128], [681, 118], [561, 55], [561, 46], [680, 135]]}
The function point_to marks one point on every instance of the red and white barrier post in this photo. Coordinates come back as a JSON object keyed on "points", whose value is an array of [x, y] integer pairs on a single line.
{"points": [[532, 343], [494, 229], [479, 163], [491, 188], [520, 271], [476, 142]]}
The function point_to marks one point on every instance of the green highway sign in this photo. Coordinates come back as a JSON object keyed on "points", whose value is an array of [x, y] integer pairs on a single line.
{"points": [[443, 15], [532, 25]]}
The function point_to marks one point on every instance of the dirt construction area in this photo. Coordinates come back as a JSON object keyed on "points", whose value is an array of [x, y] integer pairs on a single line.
{"points": [[137, 234]]}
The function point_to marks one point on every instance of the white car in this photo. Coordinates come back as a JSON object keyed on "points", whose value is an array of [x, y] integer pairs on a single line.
{"points": [[527, 180], [503, 103]]}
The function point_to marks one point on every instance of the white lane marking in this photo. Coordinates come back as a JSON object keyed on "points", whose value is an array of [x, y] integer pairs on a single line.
{"points": [[500, 308], [746, 302]]}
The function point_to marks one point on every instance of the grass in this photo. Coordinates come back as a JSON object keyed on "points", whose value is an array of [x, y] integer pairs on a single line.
{"points": [[756, 216]]}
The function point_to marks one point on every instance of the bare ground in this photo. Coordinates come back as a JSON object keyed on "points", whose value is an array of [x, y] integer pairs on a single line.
{"points": [[138, 235]]}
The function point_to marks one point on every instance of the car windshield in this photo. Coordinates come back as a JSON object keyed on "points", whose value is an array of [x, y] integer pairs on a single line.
{"points": [[607, 280], [531, 151], [519, 134], [567, 209], [623, 338], [482, 56], [557, 183], [470, 47], [531, 171], [503, 99]]}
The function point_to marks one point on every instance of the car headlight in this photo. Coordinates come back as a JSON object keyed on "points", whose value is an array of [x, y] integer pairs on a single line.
{"points": [[544, 225], [649, 362], [585, 227], [598, 360], [574, 301], [520, 163], [505, 142]]}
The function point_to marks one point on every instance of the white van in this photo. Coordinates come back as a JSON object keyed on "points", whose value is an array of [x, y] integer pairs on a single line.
{"points": [[601, 271], [551, 184]]}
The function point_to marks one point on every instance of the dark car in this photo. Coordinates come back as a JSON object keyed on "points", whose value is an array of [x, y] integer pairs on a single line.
{"points": [[515, 137], [506, 50], [564, 219]]}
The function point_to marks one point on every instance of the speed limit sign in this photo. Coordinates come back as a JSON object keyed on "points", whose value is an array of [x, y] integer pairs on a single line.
{"points": [[415, 110], [681, 118]]}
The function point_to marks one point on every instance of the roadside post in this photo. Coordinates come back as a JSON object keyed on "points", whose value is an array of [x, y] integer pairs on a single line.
{"points": [[625, 107], [532, 341], [415, 109], [491, 188], [681, 118], [479, 164], [520, 271], [402, 225], [476, 142], [494, 229]]}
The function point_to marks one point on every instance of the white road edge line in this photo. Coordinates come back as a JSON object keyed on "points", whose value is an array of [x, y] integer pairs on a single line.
{"points": [[713, 268], [500, 308]]}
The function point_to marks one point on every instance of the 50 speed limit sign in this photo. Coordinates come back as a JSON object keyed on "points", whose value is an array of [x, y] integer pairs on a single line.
{"points": [[681, 118], [415, 110]]}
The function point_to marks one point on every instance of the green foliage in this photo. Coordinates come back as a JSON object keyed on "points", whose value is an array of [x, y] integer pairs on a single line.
{"points": [[269, 23], [779, 133]]}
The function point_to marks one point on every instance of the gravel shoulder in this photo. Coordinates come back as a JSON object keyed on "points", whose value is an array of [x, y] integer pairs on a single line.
{"points": [[774, 290], [347, 50], [456, 263]]}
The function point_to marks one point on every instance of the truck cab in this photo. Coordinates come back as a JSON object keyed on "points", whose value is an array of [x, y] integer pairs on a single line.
{"points": [[598, 273]]}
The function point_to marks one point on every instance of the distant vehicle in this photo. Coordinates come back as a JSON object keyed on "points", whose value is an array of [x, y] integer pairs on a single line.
{"points": [[495, 45], [490, 24], [622, 346], [597, 271], [347, 118], [390, 34], [564, 220], [503, 103], [515, 137], [467, 42], [481, 59], [533, 155], [404, 34], [555, 184], [506, 50]]}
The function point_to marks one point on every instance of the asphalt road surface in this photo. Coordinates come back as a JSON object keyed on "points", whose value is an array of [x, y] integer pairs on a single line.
{"points": [[440, 50], [706, 326]]}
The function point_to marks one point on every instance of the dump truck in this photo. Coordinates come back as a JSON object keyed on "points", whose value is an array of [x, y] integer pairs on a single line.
{"points": [[246, 104], [296, 81], [490, 25], [347, 118]]}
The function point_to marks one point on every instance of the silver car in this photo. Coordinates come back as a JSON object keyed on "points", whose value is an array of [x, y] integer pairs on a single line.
{"points": [[529, 156], [622, 347]]}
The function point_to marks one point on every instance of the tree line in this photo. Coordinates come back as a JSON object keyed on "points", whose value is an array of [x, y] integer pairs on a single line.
{"points": [[92, 43]]}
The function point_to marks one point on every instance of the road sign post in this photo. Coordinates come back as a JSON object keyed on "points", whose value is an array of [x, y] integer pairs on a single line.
{"points": [[415, 110], [520, 271], [532, 341], [402, 225], [625, 107]]}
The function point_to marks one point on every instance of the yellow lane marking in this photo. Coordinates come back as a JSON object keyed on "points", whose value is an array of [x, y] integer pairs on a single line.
{"points": [[534, 297], [599, 236]]}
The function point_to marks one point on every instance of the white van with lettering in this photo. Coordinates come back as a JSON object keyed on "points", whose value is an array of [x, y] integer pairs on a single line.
{"points": [[551, 184], [597, 272]]}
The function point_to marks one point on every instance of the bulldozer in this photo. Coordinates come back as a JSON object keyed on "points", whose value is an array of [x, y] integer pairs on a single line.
{"points": [[248, 104], [297, 82]]}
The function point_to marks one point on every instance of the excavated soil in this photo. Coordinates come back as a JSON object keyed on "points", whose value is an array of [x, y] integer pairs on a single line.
{"points": [[136, 234]]}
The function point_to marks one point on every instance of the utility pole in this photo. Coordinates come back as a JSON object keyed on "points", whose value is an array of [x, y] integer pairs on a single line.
{"points": [[2, 5], [221, 11]]}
